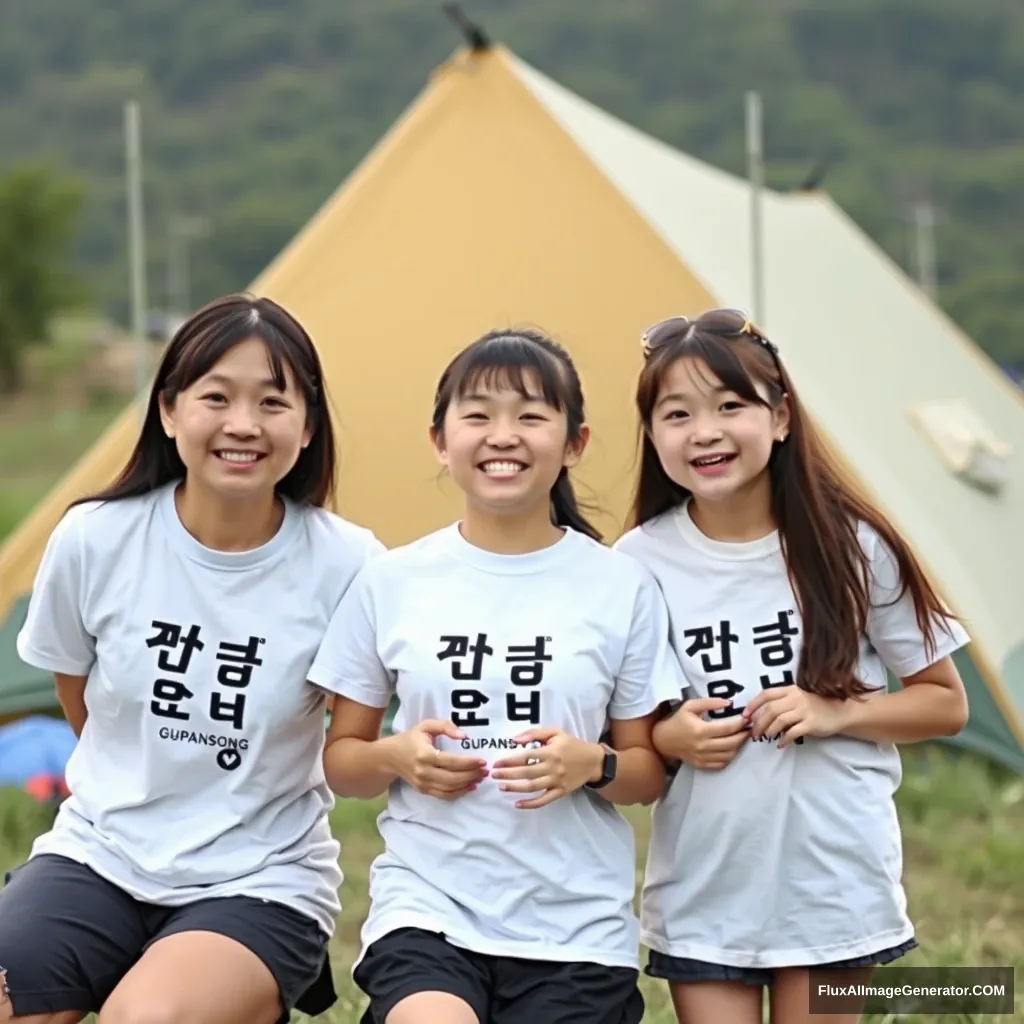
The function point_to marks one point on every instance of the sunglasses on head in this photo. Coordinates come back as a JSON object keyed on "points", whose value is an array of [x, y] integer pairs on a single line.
{"points": [[727, 323]]}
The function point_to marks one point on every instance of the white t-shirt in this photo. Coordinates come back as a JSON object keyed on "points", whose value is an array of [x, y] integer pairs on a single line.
{"points": [[567, 637], [199, 772], [785, 857]]}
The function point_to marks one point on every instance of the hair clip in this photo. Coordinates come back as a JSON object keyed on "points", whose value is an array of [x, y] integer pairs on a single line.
{"points": [[755, 332], [644, 343]]}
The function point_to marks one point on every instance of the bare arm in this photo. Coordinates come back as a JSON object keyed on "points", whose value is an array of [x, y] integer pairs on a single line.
{"points": [[932, 703], [640, 776], [356, 760], [564, 763], [71, 694], [359, 763]]}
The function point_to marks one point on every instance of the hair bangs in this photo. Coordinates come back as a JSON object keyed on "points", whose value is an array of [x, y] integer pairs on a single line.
{"points": [[201, 353], [726, 361], [510, 363], [279, 355]]}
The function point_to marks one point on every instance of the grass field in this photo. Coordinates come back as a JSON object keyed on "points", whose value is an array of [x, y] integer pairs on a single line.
{"points": [[44, 429], [963, 826]]}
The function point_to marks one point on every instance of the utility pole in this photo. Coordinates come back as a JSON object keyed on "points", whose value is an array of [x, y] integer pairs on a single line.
{"points": [[180, 232], [755, 171], [924, 247], [136, 242]]}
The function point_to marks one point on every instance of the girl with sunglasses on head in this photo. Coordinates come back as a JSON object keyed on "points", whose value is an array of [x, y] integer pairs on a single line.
{"points": [[192, 874], [776, 851], [529, 661]]}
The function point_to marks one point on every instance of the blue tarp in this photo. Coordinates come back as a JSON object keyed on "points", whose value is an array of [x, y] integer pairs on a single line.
{"points": [[34, 746]]}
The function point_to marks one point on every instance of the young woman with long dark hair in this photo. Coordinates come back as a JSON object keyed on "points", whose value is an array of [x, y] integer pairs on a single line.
{"points": [[776, 851], [192, 875]]}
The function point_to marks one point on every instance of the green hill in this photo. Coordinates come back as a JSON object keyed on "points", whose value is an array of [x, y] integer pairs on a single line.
{"points": [[254, 110]]}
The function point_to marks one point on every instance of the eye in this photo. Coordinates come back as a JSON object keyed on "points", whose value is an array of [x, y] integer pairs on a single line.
{"points": [[676, 414], [279, 402], [213, 396], [732, 405], [478, 416], [535, 416]]}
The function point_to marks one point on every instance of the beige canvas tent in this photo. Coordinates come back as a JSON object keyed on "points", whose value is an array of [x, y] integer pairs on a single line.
{"points": [[500, 198]]}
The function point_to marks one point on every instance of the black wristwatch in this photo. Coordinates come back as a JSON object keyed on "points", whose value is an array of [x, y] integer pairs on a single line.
{"points": [[608, 769]]}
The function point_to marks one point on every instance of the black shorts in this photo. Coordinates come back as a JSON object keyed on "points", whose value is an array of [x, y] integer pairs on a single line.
{"points": [[684, 971], [501, 990], [68, 937]]}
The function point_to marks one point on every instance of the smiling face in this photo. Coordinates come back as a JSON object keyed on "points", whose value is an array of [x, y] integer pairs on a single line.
{"points": [[709, 439], [504, 449], [237, 433]]}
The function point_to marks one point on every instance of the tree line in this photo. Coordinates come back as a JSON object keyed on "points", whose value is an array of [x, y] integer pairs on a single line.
{"points": [[255, 110]]}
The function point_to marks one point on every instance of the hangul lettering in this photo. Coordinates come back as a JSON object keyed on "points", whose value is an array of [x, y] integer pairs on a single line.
{"points": [[775, 641], [232, 711], [459, 647], [726, 689], [167, 695], [468, 701], [704, 638], [241, 659], [534, 655], [523, 709], [787, 680], [169, 636]]}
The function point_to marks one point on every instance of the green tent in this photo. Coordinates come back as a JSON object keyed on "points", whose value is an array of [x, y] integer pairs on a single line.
{"points": [[23, 690]]}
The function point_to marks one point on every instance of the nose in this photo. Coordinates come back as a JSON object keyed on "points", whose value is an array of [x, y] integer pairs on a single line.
{"points": [[706, 430], [240, 421], [502, 435]]}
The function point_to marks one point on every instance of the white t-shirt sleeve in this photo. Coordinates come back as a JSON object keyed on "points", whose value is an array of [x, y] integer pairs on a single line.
{"points": [[650, 672], [347, 662], [892, 625], [54, 637]]}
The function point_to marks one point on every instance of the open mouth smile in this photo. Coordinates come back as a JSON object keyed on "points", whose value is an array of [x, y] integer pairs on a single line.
{"points": [[502, 467], [711, 464], [237, 457]]}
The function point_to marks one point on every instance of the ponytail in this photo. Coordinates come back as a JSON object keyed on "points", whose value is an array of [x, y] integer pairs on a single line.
{"points": [[565, 510]]}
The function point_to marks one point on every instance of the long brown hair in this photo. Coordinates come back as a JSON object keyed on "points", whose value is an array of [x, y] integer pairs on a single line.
{"points": [[510, 357], [196, 346], [816, 510]]}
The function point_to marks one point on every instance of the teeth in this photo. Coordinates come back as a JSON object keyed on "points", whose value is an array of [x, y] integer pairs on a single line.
{"points": [[502, 468], [711, 460], [238, 456]]}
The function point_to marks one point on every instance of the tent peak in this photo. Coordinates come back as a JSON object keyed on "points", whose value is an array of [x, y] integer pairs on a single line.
{"points": [[477, 39]]}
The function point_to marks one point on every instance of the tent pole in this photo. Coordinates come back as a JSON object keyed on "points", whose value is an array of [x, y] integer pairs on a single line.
{"points": [[755, 171]]}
